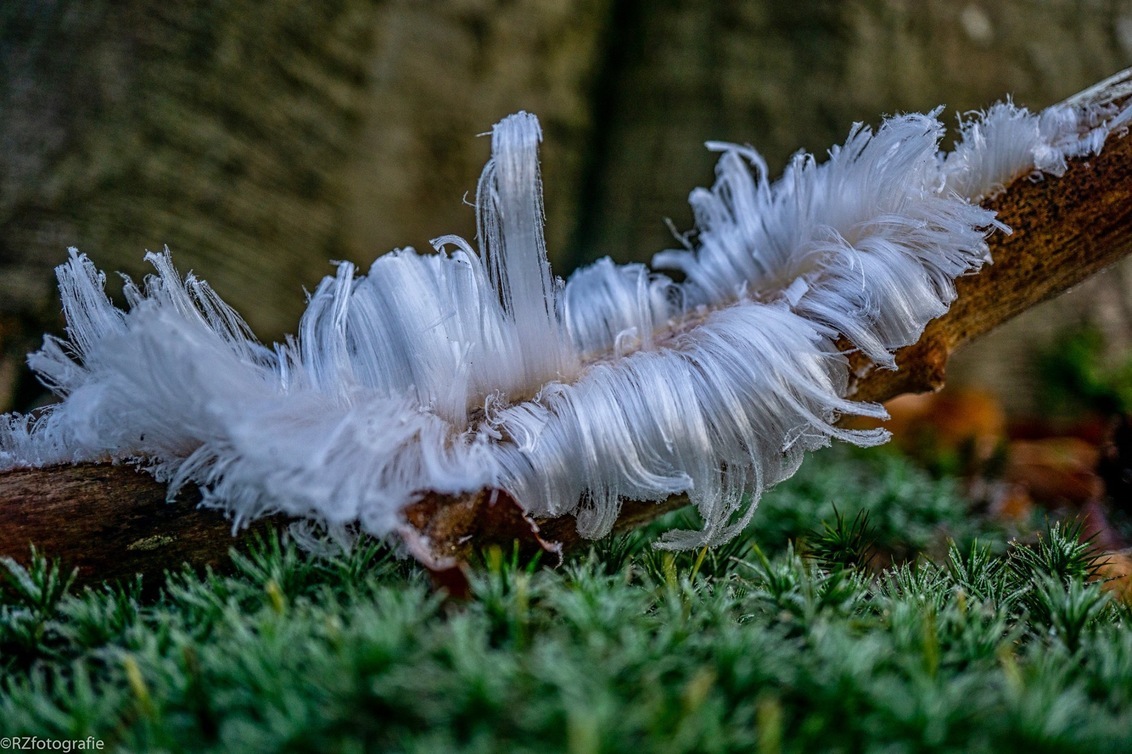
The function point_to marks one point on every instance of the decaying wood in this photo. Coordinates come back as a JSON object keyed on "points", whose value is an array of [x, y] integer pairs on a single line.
{"points": [[1065, 230], [112, 521], [108, 521]]}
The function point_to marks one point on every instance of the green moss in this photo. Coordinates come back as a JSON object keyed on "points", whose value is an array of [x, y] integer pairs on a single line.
{"points": [[621, 649]]}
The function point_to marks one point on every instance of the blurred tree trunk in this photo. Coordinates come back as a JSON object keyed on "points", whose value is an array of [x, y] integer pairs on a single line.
{"points": [[218, 129], [784, 75]]}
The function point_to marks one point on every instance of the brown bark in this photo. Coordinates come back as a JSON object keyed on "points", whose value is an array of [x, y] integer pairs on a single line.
{"points": [[1065, 230], [110, 521]]}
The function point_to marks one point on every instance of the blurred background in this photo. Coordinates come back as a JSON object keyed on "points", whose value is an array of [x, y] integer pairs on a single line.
{"points": [[258, 140]]}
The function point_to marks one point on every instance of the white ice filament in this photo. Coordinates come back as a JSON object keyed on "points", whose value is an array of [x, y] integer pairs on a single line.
{"points": [[458, 371]]}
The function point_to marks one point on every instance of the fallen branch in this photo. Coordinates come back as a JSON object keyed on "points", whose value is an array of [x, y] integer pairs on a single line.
{"points": [[108, 521], [111, 521]]}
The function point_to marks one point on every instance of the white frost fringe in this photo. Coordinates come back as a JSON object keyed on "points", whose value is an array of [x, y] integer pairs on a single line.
{"points": [[457, 371]]}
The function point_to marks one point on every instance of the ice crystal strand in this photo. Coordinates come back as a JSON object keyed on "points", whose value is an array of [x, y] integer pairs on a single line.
{"points": [[510, 225]]}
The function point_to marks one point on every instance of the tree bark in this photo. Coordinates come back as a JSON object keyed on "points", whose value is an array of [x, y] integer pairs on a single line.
{"points": [[110, 521]]}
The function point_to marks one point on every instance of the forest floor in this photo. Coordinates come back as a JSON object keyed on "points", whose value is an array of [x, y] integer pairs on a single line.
{"points": [[871, 606]]}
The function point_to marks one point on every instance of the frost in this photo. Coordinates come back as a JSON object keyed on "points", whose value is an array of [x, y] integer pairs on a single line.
{"points": [[462, 370]]}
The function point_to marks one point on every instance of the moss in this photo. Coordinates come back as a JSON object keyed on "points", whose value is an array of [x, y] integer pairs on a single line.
{"points": [[620, 649]]}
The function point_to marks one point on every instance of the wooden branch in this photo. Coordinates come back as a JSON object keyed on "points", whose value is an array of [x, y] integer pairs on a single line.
{"points": [[108, 521], [111, 521], [1064, 230]]}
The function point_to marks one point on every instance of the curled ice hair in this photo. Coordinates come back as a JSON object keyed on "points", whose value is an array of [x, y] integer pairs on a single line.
{"points": [[465, 370]]}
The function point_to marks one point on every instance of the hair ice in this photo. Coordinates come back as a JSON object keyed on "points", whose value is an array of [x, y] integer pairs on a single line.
{"points": [[458, 371]]}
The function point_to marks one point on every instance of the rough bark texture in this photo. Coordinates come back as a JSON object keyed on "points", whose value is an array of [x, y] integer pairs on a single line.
{"points": [[1061, 237], [109, 521]]}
